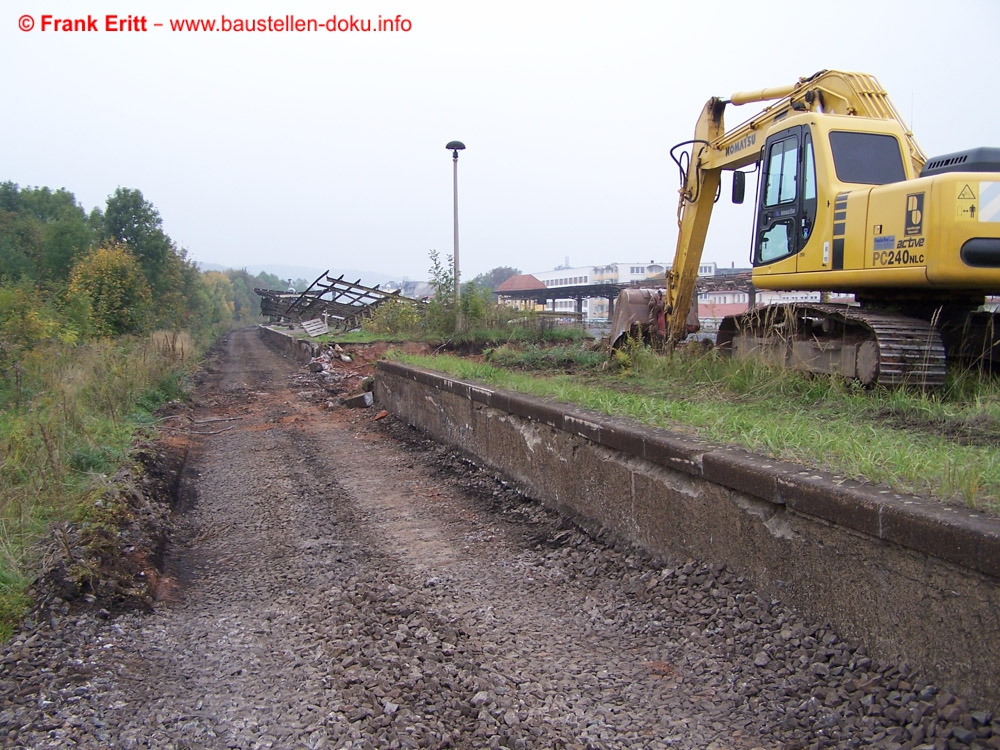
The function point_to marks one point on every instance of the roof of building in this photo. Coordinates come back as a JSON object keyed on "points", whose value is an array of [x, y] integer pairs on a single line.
{"points": [[521, 283]]}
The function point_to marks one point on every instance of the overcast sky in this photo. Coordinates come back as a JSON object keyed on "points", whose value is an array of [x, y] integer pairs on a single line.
{"points": [[326, 149]]}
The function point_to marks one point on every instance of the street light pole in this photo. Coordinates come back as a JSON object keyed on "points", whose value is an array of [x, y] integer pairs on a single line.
{"points": [[455, 147]]}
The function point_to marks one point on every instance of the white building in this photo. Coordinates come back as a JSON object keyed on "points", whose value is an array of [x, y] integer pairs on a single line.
{"points": [[612, 273], [565, 276]]}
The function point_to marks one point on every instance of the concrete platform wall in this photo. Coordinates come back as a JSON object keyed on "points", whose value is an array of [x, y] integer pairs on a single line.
{"points": [[913, 580], [285, 340]]}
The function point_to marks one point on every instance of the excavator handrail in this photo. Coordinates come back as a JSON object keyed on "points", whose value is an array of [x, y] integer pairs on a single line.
{"points": [[861, 95]]}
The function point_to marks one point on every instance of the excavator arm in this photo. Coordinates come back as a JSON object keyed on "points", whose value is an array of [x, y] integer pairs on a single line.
{"points": [[714, 150]]}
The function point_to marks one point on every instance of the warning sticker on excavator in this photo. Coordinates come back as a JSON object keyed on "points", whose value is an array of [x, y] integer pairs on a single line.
{"points": [[989, 201], [966, 203], [978, 201]]}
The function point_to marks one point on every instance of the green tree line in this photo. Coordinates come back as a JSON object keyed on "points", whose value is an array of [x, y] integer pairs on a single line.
{"points": [[70, 275]]}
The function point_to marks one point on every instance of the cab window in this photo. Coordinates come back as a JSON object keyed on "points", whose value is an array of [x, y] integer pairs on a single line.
{"points": [[809, 171], [775, 241], [781, 167], [808, 214], [787, 208], [776, 234], [866, 158]]}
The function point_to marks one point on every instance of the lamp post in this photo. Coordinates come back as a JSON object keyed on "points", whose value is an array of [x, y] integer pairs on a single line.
{"points": [[455, 147]]}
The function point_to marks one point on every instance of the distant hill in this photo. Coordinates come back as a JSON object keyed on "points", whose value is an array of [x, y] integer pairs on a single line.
{"points": [[368, 278]]}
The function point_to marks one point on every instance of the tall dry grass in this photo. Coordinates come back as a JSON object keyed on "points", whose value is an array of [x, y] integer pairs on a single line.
{"points": [[68, 417]]}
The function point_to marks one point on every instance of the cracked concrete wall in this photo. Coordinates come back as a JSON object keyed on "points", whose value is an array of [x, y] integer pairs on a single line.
{"points": [[910, 580]]}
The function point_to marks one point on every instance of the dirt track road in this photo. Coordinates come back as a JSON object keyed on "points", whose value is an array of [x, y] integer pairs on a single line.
{"points": [[338, 582]]}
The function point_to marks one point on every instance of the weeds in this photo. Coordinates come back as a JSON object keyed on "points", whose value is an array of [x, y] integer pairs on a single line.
{"points": [[76, 426], [536, 357]]}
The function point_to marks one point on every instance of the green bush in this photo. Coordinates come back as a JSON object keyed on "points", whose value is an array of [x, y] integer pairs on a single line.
{"points": [[394, 318]]}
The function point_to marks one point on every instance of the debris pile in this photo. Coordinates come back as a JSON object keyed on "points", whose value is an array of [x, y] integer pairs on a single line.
{"points": [[340, 376]]}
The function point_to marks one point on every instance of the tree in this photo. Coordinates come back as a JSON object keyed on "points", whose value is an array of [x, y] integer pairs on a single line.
{"points": [[21, 241], [265, 280], [222, 294], [440, 315], [41, 233], [65, 239], [246, 303], [25, 321], [113, 285], [10, 199], [131, 220], [65, 230], [442, 278], [492, 279]]}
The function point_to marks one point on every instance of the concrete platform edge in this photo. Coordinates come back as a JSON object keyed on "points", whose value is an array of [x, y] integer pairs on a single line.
{"points": [[910, 578]]}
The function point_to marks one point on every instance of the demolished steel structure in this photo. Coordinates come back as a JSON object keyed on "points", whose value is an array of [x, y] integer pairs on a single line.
{"points": [[337, 303]]}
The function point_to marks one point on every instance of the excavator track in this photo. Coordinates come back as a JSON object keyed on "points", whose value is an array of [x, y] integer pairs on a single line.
{"points": [[858, 344]]}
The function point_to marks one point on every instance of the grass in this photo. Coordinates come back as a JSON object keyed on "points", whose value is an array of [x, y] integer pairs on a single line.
{"points": [[68, 419], [942, 445], [475, 337]]}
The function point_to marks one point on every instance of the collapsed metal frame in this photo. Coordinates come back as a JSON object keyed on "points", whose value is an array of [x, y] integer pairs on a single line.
{"points": [[348, 304]]}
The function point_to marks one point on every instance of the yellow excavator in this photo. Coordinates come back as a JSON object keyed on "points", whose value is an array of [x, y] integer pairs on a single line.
{"points": [[846, 203]]}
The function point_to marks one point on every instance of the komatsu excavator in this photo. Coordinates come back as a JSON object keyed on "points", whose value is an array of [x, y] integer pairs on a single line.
{"points": [[847, 203]]}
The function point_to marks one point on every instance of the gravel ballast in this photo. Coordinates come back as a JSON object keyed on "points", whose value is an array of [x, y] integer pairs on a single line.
{"points": [[336, 580]]}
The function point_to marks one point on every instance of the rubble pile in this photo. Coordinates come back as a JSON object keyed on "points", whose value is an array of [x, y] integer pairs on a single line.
{"points": [[344, 382]]}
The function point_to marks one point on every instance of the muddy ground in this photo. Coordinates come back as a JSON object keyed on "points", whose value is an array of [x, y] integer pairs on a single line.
{"points": [[296, 574]]}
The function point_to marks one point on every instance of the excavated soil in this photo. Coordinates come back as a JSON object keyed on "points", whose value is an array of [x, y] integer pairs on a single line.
{"points": [[329, 578]]}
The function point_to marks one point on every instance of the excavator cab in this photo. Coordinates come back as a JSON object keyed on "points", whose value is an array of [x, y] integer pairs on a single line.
{"points": [[840, 208], [807, 172]]}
